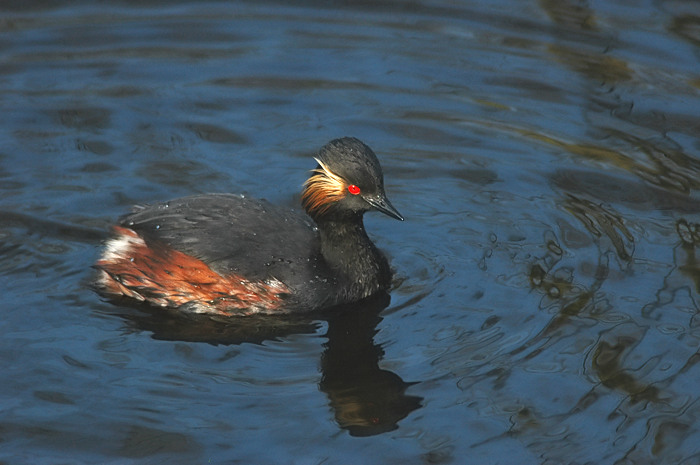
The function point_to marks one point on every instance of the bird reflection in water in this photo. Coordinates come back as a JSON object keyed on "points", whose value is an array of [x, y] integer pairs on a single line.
{"points": [[366, 399]]}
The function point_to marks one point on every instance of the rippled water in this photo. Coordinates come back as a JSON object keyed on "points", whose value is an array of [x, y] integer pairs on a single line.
{"points": [[545, 155]]}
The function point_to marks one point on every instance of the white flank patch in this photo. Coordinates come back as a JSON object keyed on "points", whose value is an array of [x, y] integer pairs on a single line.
{"points": [[120, 247]]}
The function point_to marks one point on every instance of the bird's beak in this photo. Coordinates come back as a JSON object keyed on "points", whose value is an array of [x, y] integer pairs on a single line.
{"points": [[381, 203]]}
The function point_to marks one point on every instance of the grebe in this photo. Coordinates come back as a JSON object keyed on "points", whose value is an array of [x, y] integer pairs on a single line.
{"points": [[227, 254]]}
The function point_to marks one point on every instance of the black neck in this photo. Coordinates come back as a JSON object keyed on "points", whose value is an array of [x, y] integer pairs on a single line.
{"points": [[349, 251]]}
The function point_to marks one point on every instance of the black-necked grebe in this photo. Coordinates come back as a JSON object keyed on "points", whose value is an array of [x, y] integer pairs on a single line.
{"points": [[230, 255]]}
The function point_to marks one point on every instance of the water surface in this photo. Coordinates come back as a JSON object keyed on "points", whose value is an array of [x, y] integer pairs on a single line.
{"points": [[544, 154]]}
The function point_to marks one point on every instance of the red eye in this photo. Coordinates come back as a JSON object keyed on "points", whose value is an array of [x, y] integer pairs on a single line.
{"points": [[353, 189]]}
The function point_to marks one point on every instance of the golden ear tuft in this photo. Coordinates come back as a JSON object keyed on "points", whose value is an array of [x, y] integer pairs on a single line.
{"points": [[322, 189]]}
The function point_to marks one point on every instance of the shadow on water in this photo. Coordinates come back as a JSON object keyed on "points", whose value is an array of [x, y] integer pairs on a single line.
{"points": [[366, 399]]}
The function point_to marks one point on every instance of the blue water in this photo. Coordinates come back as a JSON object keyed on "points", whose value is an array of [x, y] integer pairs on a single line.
{"points": [[544, 154]]}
